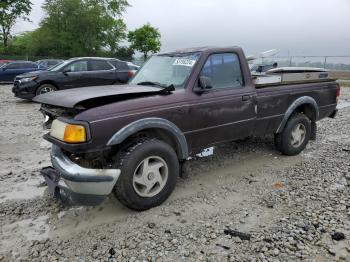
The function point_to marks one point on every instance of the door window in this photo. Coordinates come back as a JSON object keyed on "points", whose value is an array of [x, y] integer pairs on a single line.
{"points": [[98, 65], [223, 70], [120, 65], [52, 63], [78, 66], [28, 65], [13, 66]]}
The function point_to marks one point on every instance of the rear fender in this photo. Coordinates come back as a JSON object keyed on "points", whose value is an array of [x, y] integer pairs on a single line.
{"points": [[301, 101]]}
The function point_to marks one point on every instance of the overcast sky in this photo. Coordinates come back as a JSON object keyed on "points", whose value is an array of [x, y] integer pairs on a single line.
{"points": [[300, 27]]}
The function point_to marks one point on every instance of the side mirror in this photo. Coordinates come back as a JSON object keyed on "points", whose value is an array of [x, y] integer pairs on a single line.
{"points": [[65, 71], [3, 68], [204, 84]]}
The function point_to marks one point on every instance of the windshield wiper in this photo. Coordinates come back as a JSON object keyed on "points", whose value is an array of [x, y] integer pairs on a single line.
{"points": [[165, 88], [150, 83], [168, 88]]}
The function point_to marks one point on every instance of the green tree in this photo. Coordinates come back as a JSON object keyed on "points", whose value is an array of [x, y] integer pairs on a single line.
{"points": [[145, 39], [114, 8], [115, 35], [21, 44], [80, 27], [10, 11], [124, 53]]}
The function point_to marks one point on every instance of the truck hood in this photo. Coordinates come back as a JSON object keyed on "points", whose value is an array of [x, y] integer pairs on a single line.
{"points": [[88, 97]]}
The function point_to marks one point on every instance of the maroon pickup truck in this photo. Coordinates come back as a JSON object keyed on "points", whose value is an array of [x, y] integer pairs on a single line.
{"points": [[132, 140]]}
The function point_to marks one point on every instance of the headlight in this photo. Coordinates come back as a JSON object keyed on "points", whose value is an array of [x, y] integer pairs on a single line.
{"points": [[28, 79], [70, 133]]}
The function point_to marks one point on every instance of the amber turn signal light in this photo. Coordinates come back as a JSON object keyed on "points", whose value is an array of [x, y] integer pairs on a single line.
{"points": [[70, 133], [74, 134]]}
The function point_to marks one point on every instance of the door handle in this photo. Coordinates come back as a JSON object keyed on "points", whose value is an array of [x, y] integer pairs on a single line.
{"points": [[246, 97]]}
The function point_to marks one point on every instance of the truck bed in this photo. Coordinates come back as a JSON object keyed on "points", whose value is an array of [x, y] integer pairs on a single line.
{"points": [[274, 99], [291, 75]]}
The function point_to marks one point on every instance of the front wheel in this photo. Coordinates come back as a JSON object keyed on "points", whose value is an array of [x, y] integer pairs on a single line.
{"points": [[149, 170], [295, 136], [45, 88]]}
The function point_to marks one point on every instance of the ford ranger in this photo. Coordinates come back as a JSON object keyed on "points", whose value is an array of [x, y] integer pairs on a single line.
{"points": [[131, 140]]}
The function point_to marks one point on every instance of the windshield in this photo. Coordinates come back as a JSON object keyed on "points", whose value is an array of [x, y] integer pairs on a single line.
{"points": [[59, 66], [166, 70]]}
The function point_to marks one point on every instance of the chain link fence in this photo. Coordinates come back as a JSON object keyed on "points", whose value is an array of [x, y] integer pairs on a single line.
{"points": [[339, 66], [27, 57], [137, 61]]}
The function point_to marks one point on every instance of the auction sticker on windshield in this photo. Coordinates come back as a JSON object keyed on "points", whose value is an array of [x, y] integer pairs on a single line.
{"points": [[184, 62]]}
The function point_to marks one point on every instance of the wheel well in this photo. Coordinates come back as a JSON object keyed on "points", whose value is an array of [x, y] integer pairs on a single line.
{"points": [[308, 110], [47, 82], [157, 133]]}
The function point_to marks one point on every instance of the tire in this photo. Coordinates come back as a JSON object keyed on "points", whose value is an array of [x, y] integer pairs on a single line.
{"points": [[295, 135], [149, 155], [45, 88]]}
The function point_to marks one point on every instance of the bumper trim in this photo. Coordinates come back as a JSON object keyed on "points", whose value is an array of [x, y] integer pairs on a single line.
{"points": [[58, 191], [76, 173]]}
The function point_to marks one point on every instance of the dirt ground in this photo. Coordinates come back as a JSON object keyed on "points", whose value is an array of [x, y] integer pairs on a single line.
{"points": [[247, 202]]}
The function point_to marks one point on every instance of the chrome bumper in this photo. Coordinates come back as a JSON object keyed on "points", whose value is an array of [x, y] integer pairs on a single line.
{"points": [[79, 181]]}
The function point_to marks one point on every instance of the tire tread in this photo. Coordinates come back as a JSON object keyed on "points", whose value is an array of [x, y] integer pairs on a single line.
{"points": [[282, 141]]}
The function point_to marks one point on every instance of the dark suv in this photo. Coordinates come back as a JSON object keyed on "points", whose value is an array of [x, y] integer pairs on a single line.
{"points": [[72, 73]]}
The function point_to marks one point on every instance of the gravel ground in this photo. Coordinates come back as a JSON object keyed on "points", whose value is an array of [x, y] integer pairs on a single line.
{"points": [[245, 203]]}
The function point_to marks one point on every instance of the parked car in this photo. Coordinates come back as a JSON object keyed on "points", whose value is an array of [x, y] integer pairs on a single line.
{"points": [[132, 140], [9, 71], [47, 63], [2, 62], [72, 73], [133, 67]]}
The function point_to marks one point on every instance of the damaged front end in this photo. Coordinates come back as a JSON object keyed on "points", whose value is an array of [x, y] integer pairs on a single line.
{"points": [[77, 185], [85, 178], [53, 112], [81, 174]]}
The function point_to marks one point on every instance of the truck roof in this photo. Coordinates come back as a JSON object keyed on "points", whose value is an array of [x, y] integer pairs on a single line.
{"points": [[200, 49]]}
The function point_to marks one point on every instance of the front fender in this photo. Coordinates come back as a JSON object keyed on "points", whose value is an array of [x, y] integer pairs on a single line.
{"points": [[148, 123]]}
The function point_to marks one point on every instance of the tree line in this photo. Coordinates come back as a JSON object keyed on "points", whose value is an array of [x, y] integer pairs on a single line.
{"points": [[72, 28]]}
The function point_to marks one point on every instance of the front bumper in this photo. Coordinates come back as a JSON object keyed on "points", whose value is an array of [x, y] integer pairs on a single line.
{"points": [[75, 184], [24, 90]]}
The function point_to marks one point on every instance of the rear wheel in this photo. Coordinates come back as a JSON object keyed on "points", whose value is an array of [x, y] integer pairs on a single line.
{"points": [[149, 171], [45, 88], [295, 136]]}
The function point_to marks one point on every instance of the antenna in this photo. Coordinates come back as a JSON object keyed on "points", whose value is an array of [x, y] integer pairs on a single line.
{"points": [[263, 54]]}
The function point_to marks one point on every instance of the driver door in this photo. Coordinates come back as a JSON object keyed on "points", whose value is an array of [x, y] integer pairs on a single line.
{"points": [[76, 74], [227, 110]]}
